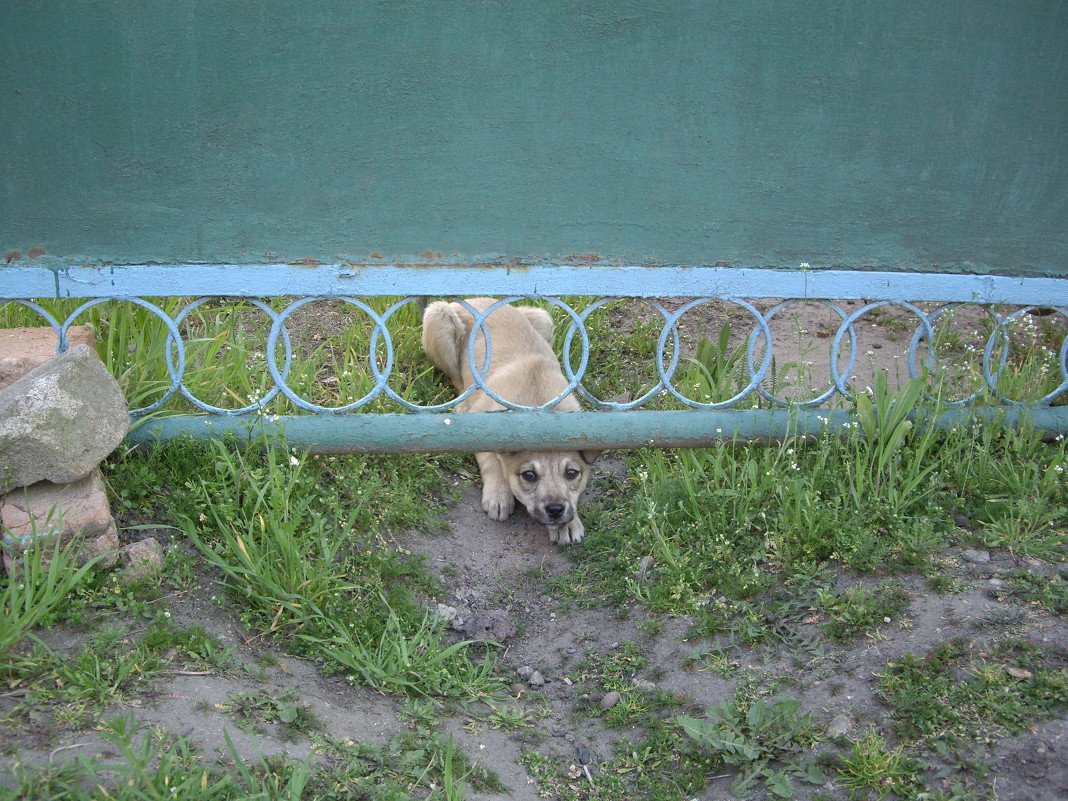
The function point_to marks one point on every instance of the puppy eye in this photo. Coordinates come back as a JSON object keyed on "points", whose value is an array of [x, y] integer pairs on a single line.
{"points": [[571, 473], [529, 475]]}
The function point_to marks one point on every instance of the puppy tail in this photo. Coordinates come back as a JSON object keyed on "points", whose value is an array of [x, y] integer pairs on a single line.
{"points": [[444, 339], [539, 319]]}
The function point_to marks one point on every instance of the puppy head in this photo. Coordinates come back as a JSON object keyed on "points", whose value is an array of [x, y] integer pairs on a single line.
{"points": [[548, 483]]}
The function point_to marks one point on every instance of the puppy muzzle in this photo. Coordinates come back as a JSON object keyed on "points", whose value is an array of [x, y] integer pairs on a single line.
{"points": [[555, 514]]}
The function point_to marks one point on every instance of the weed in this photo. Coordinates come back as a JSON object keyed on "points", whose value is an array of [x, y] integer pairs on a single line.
{"points": [[859, 608], [421, 713], [716, 369], [1050, 592], [875, 766], [657, 767], [713, 659], [762, 739], [254, 709]]}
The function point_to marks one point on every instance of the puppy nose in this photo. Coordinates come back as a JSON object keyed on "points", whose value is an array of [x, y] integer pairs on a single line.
{"points": [[554, 510]]}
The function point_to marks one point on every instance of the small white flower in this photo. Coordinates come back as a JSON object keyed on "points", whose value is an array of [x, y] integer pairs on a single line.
{"points": [[293, 460]]}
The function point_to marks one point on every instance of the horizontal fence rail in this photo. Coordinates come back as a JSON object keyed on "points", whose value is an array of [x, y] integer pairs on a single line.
{"points": [[670, 297]]}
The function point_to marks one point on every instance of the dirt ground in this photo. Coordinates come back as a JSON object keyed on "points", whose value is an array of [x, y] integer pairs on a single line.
{"points": [[501, 568]]}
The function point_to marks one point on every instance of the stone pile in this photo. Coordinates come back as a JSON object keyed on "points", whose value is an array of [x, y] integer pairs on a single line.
{"points": [[60, 416]]}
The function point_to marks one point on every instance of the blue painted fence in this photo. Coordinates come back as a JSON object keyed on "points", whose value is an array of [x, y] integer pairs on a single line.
{"points": [[926, 297]]}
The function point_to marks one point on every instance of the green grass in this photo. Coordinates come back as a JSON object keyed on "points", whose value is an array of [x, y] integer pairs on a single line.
{"points": [[41, 580], [958, 693], [159, 765], [729, 523], [298, 544]]}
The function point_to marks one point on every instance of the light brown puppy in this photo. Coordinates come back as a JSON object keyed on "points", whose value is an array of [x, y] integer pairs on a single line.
{"points": [[524, 370]]}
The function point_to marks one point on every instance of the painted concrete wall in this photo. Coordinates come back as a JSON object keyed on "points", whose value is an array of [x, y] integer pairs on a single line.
{"points": [[898, 133]]}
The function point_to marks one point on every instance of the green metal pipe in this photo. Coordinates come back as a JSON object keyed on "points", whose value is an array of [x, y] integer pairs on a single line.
{"points": [[505, 431]]}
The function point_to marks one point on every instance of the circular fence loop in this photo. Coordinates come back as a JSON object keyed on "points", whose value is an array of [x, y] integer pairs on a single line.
{"points": [[917, 338], [756, 375], [277, 329], [175, 371], [255, 405], [769, 315], [840, 377], [391, 393], [1001, 333], [580, 326], [948, 370]]}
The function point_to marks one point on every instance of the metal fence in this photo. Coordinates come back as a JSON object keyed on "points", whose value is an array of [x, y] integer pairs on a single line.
{"points": [[922, 301]]}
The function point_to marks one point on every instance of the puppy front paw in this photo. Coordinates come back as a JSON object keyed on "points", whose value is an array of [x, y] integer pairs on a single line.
{"points": [[570, 532], [498, 502]]}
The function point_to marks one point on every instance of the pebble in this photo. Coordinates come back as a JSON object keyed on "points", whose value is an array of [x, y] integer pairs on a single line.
{"points": [[525, 671], [975, 557], [644, 685], [583, 755], [447, 613], [610, 700], [839, 726], [536, 679], [643, 567], [490, 625]]}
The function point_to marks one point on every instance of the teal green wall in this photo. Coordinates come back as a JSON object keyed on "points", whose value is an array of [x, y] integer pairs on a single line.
{"points": [[851, 132]]}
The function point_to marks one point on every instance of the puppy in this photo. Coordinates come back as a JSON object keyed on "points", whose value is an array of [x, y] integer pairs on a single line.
{"points": [[523, 369]]}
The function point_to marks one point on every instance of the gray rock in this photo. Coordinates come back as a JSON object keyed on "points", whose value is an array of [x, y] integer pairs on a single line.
{"points": [[449, 614], [493, 625], [536, 679], [141, 559], [610, 700], [643, 568], [975, 557], [840, 725], [60, 420]]}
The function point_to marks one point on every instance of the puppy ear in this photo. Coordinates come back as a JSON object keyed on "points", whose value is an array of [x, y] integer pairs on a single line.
{"points": [[589, 457]]}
